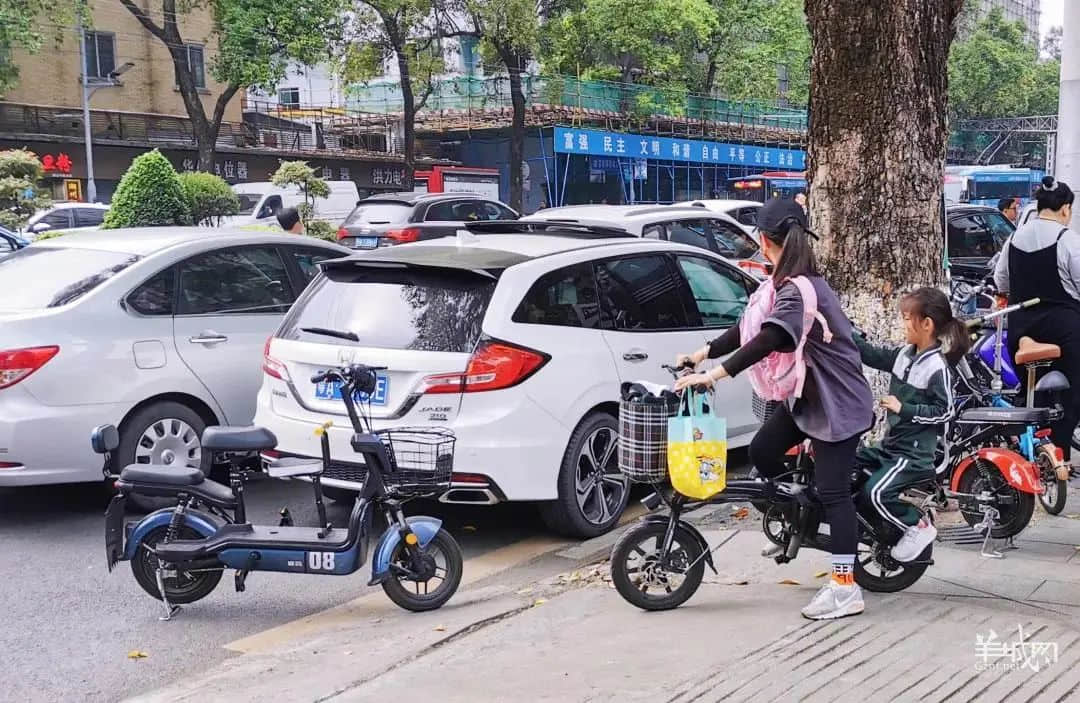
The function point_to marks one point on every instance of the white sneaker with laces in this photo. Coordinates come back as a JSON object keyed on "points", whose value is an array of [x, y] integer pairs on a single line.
{"points": [[914, 541], [835, 601]]}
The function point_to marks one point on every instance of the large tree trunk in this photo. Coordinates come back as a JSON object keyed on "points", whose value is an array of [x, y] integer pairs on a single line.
{"points": [[517, 130], [877, 146], [408, 105]]}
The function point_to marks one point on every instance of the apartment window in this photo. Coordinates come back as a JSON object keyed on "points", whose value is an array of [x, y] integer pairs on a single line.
{"points": [[288, 97], [196, 62], [100, 55]]}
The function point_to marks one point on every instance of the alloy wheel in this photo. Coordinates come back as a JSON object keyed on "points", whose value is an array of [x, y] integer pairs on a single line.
{"points": [[169, 442], [599, 485]]}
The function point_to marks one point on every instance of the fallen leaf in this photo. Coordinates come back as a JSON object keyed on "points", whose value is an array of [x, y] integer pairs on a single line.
{"points": [[1073, 516], [469, 528], [788, 582], [741, 582], [440, 628], [136, 654], [525, 591], [741, 513], [823, 574], [540, 601]]}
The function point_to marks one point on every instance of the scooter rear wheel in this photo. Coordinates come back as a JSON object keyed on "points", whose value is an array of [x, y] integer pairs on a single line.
{"points": [[1015, 514], [415, 595], [182, 588]]}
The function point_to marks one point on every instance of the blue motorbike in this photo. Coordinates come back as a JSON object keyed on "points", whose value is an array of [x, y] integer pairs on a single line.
{"points": [[178, 555]]}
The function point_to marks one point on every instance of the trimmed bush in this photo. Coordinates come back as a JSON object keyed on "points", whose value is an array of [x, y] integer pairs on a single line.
{"points": [[149, 195], [321, 229], [209, 198], [20, 195]]}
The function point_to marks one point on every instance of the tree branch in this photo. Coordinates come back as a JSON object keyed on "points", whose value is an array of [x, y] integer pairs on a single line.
{"points": [[222, 103], [144, 19]]}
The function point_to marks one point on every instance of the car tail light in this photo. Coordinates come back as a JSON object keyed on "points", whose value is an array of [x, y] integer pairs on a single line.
{"points": [[402, 236], [1043, 434], [342, 233], [493, 366], [17, 364], [271, 366], [271, 454], [10, 465]]}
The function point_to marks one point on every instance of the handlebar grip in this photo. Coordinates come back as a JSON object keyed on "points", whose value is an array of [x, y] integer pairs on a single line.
{"points": [[320, 376], [1030, 303]]}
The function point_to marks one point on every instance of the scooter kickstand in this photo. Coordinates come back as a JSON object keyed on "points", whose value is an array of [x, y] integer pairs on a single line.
{"points": [[170, 609], [987, 528]]}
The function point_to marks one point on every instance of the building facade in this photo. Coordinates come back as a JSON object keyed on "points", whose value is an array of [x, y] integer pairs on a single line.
{"points": [[1027, 11]]}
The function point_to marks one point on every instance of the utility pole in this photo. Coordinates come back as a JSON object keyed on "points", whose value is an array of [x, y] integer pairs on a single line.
{"points": [[91, 187], [1068, 132]]}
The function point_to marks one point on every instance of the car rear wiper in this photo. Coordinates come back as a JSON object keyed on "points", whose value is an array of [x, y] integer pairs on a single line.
{"points": [[350, 336]]}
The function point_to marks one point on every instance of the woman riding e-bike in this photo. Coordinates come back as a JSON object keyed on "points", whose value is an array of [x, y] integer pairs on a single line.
{"points": [[835, 407]]}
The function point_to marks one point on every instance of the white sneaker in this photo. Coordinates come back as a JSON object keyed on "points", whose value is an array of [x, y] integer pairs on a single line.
{"points": [[835, 601], [914, 541]]}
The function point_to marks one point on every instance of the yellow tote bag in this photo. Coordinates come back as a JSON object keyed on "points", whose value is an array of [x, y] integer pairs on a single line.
{"points": [[697, 449]]}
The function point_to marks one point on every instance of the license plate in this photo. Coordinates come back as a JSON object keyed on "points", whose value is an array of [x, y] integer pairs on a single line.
{"points": [[367, 242], [114, 530], [331, 390]]}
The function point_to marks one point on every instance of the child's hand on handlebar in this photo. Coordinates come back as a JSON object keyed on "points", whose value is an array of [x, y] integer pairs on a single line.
{"points": [[890, 403]]}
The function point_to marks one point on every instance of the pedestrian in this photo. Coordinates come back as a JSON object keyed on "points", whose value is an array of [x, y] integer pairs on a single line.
{"points": [[289, 219], [800, 198], [836, 406], [1042, 260], [919, 404], [1010, 208]]}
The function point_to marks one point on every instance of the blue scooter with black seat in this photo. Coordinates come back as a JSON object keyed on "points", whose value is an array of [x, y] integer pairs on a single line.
{"points": [[178, 555]]}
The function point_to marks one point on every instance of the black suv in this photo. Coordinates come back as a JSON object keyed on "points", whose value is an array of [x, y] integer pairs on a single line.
{"points": [[398, 218], [976, 234]]}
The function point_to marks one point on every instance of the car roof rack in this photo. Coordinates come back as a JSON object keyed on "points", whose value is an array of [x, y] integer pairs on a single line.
{"points": [[557, 228]]}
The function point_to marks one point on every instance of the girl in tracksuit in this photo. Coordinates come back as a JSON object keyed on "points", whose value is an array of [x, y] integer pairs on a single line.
{"points": [[919, 403]]}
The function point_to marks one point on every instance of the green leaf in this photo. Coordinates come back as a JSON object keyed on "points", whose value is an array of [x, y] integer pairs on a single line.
{"points": [[149, 195]]}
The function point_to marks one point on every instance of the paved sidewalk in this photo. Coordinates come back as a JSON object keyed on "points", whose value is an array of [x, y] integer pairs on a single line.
{"points": [[739, 638]]}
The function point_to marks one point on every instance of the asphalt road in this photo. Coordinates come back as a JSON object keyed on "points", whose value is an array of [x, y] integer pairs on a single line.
{"points": [[68, 625]]}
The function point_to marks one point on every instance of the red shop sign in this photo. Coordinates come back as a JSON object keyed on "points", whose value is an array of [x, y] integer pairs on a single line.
{"points": [[61, 163]]}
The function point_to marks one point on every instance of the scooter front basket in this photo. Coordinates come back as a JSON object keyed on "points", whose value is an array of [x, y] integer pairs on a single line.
{"points": [[421, 459]]}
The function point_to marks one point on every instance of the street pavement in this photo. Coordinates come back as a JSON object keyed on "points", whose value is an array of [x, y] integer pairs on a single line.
{"points": [[570, 637], [69, 625]]}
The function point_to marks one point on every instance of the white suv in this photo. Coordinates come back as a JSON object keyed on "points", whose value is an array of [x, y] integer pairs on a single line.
{"points": [[517, 342]]}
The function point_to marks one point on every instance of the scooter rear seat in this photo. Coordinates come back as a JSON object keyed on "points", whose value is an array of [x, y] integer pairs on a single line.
{"points": [[167, 481], [238, 439], [1031, 351], [1006, 416]]}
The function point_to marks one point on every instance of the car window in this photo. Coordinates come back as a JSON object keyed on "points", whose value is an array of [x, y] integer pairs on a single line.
{"points": [[731, 241], [6, 245], [641, 293], [89, 217], [157, 296], [719, 293], [690, 232], [445, 211], [653, 232], [971, 237], [999, 226], [495, 211], [565, 298], [46, 277], [747, 216], [307, 261], [386, 212], [241, 280], [270, 208], [58, 219]]}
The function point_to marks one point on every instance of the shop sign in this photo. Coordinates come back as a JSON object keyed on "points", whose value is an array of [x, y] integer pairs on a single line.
{"points": [[387, 176], [73, 189], [56, 163], [614, 144]]}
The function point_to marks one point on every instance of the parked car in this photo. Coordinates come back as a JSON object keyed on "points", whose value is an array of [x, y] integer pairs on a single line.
{"points": [[10, 242], [398, 218], [742, 211], [158, 331], [66, 216], [976, 233], [261, 201], [518, 343], [685, 224]]}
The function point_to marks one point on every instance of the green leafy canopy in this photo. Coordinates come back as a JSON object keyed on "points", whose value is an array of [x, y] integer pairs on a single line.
{"points": [[148, 195]]}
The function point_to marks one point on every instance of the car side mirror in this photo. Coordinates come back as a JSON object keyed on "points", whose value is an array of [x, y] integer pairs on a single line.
{"points": [[41, 227]]}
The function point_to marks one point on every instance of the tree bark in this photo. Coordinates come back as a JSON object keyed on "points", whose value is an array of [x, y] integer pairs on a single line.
{"points": [[517, 128], [877, 141], [399, 43]]}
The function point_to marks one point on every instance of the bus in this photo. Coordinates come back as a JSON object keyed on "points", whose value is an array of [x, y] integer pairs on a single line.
{"points": [[986, 185], [771, 184]]}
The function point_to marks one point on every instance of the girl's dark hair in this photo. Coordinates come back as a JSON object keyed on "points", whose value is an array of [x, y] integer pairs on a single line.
{"points": [[796, 258], [1053, 195], [931, 303]]}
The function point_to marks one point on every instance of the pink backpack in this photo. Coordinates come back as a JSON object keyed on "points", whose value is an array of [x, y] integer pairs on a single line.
{"points": [[780, 376]]}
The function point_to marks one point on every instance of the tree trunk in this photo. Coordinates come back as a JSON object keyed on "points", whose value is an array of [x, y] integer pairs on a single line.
{"points": [[517, 130], [877, 146], [408, 106]]}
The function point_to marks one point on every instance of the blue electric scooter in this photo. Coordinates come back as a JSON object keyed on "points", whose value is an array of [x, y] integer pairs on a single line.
{"points": [[178, 555]]}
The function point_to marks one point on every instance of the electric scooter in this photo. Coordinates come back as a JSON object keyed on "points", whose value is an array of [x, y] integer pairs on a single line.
{"points": [[178, 555]]}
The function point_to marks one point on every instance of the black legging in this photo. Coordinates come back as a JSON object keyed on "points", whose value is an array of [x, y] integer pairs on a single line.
{"points": [[833, 463]]}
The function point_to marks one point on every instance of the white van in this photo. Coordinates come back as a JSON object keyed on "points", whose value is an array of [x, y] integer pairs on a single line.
{"points": [[260, 202]]}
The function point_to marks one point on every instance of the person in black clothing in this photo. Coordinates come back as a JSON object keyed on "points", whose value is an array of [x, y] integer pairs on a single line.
{"points": [[1010, 208], [1042, 260], [836, 406], [289, 219]]}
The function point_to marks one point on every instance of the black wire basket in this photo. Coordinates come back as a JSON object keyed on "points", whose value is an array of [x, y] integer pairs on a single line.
{"points": [[421, 459]]}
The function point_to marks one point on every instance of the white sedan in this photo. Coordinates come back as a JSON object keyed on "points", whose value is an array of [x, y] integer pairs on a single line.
{"points": [[158, 331]]}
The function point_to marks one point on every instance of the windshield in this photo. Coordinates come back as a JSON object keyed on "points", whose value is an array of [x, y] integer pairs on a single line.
{"points": [[248, 201], [995, 190], [439, 311], [47, 277], [379, 213]]}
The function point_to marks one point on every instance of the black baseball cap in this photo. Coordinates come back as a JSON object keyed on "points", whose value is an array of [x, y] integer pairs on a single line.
{"points": [[778, 214]]}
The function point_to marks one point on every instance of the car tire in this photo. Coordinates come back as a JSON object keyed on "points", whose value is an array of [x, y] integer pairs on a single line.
{"points": [[595, 441], [177, 428]]}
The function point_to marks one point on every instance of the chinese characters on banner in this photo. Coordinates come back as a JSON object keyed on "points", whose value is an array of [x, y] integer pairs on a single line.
{"points": [[597, 143], [229, 170], [59, 163], [387, 176]]}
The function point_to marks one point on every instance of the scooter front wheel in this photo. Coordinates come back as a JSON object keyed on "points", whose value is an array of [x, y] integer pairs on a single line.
{"points": [[641, 578], [181, 587], [415, 595]]}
